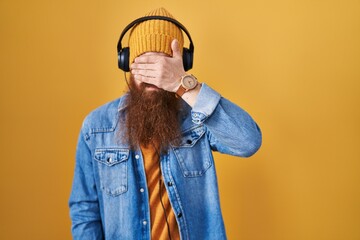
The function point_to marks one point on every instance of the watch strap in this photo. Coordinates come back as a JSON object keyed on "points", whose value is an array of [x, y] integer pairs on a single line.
{"points": [[181, 90]]}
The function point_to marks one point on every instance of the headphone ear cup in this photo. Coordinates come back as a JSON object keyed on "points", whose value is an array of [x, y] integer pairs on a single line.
{"points": [[123, 59], [187, 59]]}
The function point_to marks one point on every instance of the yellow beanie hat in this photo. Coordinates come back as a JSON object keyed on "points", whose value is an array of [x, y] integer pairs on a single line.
{"points": [[154, 35]]}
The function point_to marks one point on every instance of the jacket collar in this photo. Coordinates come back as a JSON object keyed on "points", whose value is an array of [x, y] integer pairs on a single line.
{"points": [[123, 102]]}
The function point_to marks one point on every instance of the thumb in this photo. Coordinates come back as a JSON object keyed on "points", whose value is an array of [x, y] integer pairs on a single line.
{"points": [[176, 49]]}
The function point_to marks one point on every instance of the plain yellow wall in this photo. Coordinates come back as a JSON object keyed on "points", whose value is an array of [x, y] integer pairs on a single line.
{"points": [[293, 65]]}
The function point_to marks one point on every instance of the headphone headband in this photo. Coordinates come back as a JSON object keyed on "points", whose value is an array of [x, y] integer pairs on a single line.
{"points": [[123, 53], [143, 19]]}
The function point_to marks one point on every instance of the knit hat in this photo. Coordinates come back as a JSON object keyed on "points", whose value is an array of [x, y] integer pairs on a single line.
{"points": [[154, 35]]}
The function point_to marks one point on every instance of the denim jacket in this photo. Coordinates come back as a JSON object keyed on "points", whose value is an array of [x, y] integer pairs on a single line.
{"points": [[109, 198]]}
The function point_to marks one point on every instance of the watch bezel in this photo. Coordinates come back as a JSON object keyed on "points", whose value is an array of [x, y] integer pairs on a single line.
{"points": [[183, 83]]}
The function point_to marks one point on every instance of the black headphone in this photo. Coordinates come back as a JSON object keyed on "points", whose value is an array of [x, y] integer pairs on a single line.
{"points": [[124, 53]]}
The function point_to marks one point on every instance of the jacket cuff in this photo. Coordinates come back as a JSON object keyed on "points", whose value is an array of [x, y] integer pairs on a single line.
{"points": [[206, 102]]}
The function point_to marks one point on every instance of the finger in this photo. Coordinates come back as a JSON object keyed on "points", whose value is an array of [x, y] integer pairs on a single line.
{"points": [[175, 49], [144, 79], [144, 72], [148, 58], [148, 66], [140, 78]]}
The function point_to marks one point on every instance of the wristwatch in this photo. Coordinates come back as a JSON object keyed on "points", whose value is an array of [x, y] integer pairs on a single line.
{"points": [[188, 82]]}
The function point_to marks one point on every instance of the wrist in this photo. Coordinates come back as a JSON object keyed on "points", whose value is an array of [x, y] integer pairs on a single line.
{"points": [[190, 97]]}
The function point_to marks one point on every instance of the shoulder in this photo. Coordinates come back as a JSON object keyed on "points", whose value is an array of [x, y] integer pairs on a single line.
{"points": [[104, 118]]}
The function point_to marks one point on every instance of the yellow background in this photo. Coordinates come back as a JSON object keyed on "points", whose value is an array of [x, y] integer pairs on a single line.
{"points": [[293, 65]]}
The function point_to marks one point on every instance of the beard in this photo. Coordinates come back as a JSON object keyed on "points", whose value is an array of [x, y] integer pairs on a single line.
{"points": [[152, 117]]}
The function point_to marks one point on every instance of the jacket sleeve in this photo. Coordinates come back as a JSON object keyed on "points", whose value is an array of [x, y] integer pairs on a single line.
{"points": [[230, 129], [83, 202]]}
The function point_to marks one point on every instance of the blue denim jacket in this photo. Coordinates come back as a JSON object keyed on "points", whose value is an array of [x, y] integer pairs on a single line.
{"points": [[109, 198]]}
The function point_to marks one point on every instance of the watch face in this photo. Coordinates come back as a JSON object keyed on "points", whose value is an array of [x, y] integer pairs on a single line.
{"points": [[189, 82]]}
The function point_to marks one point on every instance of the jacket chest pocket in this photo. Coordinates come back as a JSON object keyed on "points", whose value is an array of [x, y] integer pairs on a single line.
{"points": [[112, 165], [193, 153]]}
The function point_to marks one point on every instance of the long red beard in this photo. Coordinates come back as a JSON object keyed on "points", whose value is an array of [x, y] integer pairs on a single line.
{"points": [[152, 117]]}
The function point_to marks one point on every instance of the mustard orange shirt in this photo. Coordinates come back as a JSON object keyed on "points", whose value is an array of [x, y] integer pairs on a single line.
{"points": [[156, 189]]}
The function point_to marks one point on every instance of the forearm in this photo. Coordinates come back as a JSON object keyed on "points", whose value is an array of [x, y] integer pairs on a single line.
{"points": [[83, 202], [190, 96], [86, 224], [230, 129]]}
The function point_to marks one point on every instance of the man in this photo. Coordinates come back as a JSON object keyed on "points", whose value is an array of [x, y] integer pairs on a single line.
{"points": [[144, 167]]}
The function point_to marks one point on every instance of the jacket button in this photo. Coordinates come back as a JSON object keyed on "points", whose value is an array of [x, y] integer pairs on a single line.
{"points": [[179, 215], [170, 184]]}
